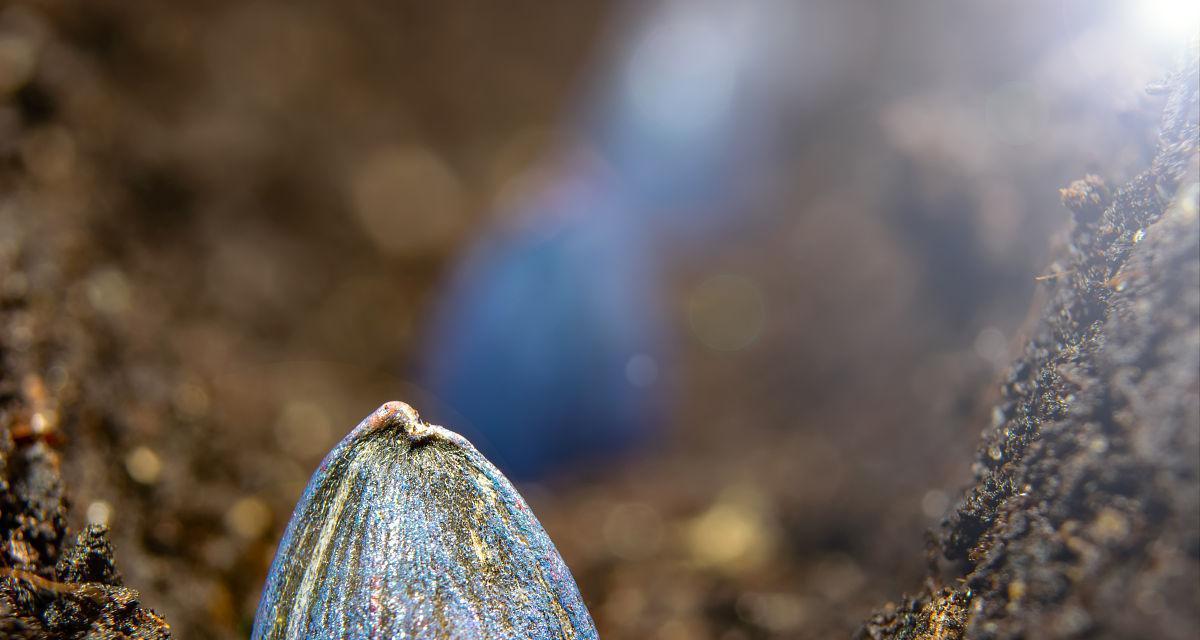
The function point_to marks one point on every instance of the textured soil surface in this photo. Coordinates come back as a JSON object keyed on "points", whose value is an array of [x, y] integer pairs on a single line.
{"points": [[1084, 520], [192, 312]]}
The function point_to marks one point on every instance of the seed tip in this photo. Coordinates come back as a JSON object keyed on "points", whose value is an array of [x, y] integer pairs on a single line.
{"points": [[402, 415], [400, 411]]}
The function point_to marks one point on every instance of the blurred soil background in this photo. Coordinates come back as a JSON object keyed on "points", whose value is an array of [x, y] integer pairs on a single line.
{"points": [[223, 224]]}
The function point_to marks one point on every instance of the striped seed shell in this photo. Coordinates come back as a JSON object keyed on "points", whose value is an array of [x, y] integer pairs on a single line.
{"points": [[406, 531]]}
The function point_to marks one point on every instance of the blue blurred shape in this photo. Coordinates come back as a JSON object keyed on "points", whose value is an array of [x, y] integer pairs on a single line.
{"points": [[549, 342], [533, 344]]}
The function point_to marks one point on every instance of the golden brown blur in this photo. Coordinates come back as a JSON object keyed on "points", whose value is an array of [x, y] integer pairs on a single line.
{"points": [[804, 238]]}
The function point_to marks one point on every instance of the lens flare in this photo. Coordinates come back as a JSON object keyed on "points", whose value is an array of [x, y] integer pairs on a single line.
{"points": [[1173, 19]]}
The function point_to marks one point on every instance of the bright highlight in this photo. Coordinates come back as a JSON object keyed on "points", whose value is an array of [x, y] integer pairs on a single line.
{"points": [[1174, 19]]}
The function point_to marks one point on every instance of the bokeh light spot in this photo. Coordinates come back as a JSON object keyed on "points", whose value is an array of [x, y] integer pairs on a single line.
{"points": [[641, 371], [934, 504], [727, 312], [18, 59], [407, 200], [108, 291], [992, 345], [143, 465], [303, 429], [248, 518], [99, 512], [633, 530]]}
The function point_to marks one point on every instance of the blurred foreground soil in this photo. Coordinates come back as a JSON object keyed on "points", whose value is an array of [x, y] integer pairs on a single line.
{"points": [[197, 300]]}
